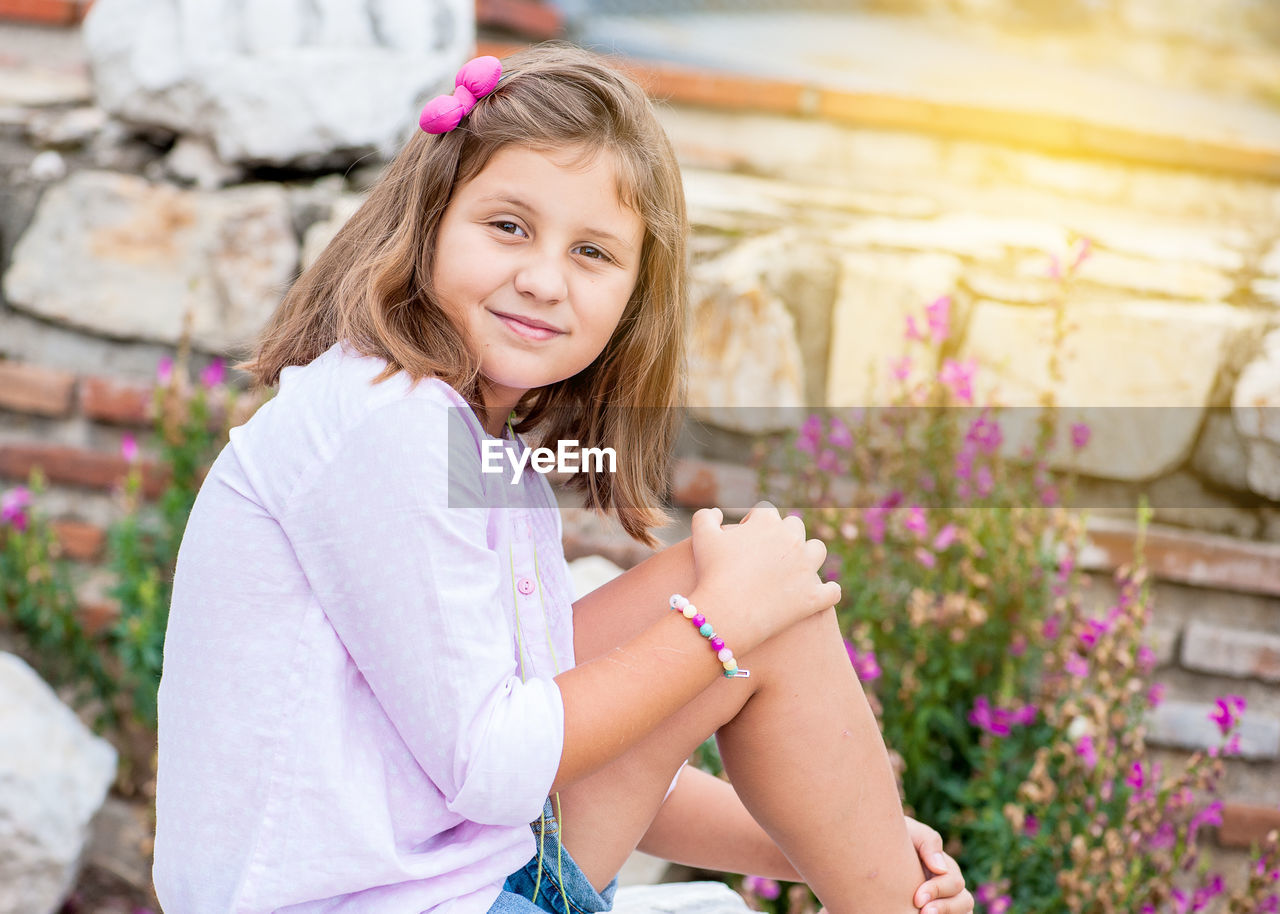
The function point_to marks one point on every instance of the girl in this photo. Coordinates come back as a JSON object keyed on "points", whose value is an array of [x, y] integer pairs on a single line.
{"points": [[375, 678]]}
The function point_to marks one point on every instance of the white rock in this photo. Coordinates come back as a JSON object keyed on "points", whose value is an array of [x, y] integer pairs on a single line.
{"points": [[321, 233], [590, 572], [121, 257], [194, 161], [679, 898], [275, 82], [48, 166], [1255, 410], [1139, 373], [66, 128], [54, 775], [746, 371]]}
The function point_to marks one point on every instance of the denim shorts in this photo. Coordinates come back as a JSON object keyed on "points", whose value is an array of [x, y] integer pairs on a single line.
{"points": [[575, 896]]}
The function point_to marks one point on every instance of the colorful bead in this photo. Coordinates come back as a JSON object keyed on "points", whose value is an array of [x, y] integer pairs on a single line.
{"points": [[706, 630], [689, 610], [698, 620], [730, 664], [724, 654], [682, 605], [729, 674], [717, 643], [677, 601]]}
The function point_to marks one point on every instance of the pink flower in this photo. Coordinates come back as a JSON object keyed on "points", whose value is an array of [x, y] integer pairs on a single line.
{"points": [[1000, 721], [810, 435], [1087, 752], [1210, 815], [864, 665], [1079, 435], [958, 377], [213, 374], [1051, 628], [762, 887], [1094, 629], [986, 434], [839, 434], [129, 448], [875, 523], [13, 507], [1000, 905], [1086, 248], [1031, 827], [1137, 778], [1229, 708], [1049, 496], [964, 463], [1146, 659], [901, 368], [986, 893], [1076, 666], [164, 371], [827, 461], [946, 536], [1155, 694], [939, 316], [916, 521], [925, 557], [913, 332], [984, 481]]}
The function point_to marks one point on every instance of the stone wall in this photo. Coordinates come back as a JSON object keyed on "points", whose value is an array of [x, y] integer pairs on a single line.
{"points": [[813, 240]]}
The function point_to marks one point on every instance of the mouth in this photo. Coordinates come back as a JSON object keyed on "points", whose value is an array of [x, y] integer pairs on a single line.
{"points": [[527, 327]]}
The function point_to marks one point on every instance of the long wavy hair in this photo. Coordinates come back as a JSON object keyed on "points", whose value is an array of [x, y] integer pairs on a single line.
{"points": [[372, 285]]}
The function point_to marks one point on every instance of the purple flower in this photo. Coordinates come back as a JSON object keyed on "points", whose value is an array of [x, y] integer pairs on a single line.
{"points": [[1210, 815], [810, 435], [964, 463], [1000, 905], [925, 557], [1228, 711], [985, 433], [213, 374], [13, 507], [864, 664], [839, 435], [1207, 893], [939, 316], [1000, 721], [1031, 827], [762, 886], [1079, 435], [1146, 659], [164, 371], [958, 377], [827, 461], [1051, 628], [1087, 751], [129, 448], [1049, 496], [916, 521], [1137, 776], [946, 536], [1155, 694], [986, 893], [901, 368], [1076, 666], [984, 481], [875, 523]]}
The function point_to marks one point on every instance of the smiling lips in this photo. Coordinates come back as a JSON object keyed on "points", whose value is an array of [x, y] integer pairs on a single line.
{"points": [[528, 328]]}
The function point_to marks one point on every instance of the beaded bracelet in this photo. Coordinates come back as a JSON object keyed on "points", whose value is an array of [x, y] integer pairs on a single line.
{"points": [[689, 611]]}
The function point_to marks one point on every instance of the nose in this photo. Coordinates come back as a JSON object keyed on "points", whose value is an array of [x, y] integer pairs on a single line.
{"points": [[541, 279]]}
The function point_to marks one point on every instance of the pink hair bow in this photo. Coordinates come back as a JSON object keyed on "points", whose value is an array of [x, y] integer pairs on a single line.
{"points": [[475, 80]]}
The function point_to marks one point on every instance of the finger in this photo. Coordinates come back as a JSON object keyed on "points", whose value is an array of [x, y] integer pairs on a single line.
{"points": [[705, 519], [960, 904], [940, 888], [815, 553], [794, 526], [761, 509], [929, 847], [830, 593]]}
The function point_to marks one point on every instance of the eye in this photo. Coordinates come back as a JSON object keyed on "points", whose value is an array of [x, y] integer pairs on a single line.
{"points": [[508, 227], [594, 253]]}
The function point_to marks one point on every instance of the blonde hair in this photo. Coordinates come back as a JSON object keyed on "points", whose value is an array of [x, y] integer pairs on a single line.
{"points": [[372, 285]]}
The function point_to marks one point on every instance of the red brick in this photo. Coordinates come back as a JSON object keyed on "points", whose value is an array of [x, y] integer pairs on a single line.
{"points": [[79, 540], [32, 389], [1244, 826], [48, 12], [115, 401], [1187, 557], [97, 615], [527, 17], [73, 466]]}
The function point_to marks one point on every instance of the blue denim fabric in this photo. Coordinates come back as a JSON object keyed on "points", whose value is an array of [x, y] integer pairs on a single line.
{"points": [[576, 896]]}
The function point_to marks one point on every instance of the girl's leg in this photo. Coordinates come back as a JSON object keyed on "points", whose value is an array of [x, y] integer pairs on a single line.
{"points": [[797, 737]]}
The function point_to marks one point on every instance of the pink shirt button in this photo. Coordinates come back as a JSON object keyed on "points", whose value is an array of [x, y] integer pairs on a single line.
{"points": [[525, 586]]}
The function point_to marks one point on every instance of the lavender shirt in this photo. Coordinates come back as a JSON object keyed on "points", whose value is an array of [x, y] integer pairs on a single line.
{"points": [[343, 721]]}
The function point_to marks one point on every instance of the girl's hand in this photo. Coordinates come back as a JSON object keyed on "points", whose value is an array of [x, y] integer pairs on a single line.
{"points": [[944, 893], [760, 575]]}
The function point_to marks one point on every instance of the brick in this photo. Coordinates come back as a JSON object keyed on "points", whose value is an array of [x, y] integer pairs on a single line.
{"points": [[1245, 826], [97, 615], [46, 12], [527, 17], [115, 401], [697, 483], [1231, 651], [1186, 725], [73, 466], [32, 389], [1186, 557], [79, 540]]}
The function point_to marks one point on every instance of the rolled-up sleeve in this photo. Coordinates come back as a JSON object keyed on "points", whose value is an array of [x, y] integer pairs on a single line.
{"points": [[411, 587]]}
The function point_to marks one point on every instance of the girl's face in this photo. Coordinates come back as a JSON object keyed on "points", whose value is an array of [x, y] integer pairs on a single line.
{"points": [[536, 258]]}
